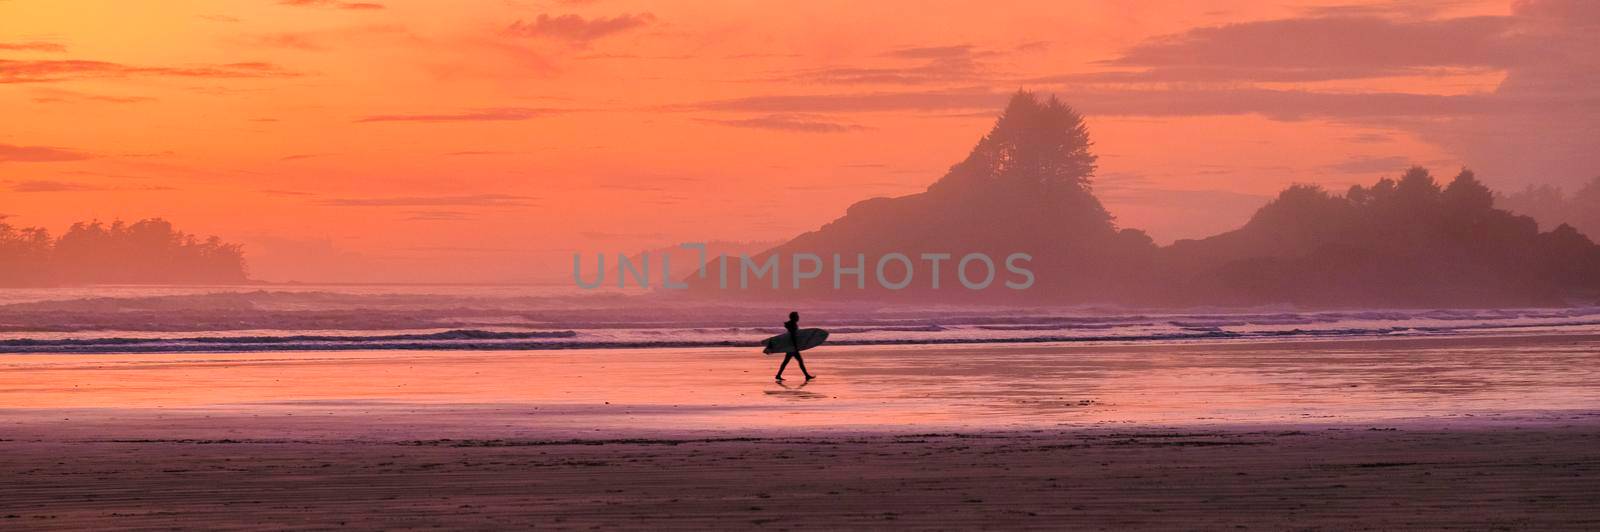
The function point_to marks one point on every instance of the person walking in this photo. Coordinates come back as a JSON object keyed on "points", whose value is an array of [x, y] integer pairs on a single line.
{"points": [[793, 327]]}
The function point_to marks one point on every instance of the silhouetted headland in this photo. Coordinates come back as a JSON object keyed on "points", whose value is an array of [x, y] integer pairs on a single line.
{"points": [[1027, 187]]}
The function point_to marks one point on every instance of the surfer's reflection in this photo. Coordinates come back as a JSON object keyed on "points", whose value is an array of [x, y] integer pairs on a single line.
{"points": [[795, 392], [793, 326]]}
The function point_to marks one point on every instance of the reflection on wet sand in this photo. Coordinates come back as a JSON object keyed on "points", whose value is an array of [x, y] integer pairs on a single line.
{"points": [[793, 392], [959, 387]]}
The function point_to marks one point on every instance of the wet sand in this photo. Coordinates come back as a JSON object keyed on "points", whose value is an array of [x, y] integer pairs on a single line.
{"points": [[1478, 433]]}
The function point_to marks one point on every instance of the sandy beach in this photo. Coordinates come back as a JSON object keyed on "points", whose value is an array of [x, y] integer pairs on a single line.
{"points": [[1462, 432]]}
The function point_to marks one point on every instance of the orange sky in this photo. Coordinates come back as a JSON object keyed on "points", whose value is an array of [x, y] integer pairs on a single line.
{"points": [[488, 140]]}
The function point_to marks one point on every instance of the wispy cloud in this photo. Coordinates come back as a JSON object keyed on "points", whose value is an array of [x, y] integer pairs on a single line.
{"points": [[54, 95], [1367, 164], [34, 46], [934, 64], [968, 98], [471, 200], [323, 39], [478, 115], [1415, 9], [1033, 46], [468, 153], [17, 71], [439, 216], [358, 6], [301, 156], [39, 154], [52, 186], [576, 29], [934, 52], [294, 41], [1369, 138], [800, 123], [603, 235]]}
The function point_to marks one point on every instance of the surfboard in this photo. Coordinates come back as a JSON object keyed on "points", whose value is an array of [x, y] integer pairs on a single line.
{"points": [[809, 338]]}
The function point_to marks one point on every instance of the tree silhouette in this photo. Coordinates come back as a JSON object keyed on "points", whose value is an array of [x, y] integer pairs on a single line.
{"points": [[148, 251], [1036, 147], [1403, 241], [1553, 207]]}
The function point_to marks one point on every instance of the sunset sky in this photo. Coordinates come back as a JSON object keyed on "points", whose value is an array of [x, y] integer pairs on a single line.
{"points": [[397, 140]]}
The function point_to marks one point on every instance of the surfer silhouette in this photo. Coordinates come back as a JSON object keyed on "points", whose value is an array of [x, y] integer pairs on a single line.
{"points": [[793, 327]]}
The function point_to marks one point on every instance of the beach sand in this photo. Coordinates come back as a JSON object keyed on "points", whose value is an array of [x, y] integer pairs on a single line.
{"points": [[1466, 432]]}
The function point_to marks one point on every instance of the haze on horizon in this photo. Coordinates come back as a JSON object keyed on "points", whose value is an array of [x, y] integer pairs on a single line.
{"points": [[487, 141]]}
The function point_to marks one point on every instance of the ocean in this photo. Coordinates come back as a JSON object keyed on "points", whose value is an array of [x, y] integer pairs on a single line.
{"points": [[130, 319]]}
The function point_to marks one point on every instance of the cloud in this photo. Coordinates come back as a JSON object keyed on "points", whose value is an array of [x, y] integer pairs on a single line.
{"points": [[52, 186], [1390, 8], [968, 98], [368, 35], [934, 52], [472, 200], [53, 95], [275, 192], [32, 47], [39, 154], [602, 235], [1273, 103], [852, 187], [1366, 165], [1387, 109], [1219, 74], [359, 6], [300, 156], [294, 41], [14, 71], [479, 115], [468, 153], [788, 122], [1323, 48], [1369, 138], [439, 216], [576, 29], [648, 183], [938, 64], [1535, 126], [1033, 46], [1279, 104]]}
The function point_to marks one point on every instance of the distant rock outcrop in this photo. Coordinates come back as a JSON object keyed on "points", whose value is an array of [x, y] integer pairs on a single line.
{"points": [[1026, 188]]}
